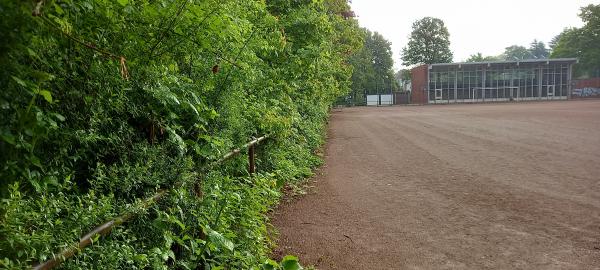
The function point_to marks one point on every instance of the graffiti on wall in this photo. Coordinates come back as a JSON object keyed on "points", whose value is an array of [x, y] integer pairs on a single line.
{"points": [[586, 92]]}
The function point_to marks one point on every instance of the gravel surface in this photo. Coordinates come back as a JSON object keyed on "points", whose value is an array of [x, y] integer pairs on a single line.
{"points": [[486, 186]]}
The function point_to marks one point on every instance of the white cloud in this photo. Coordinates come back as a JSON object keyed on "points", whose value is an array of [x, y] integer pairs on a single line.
{"points": [[475, 25]]}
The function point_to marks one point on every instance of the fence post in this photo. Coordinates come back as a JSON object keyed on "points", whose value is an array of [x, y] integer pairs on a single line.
{"points": [[251, 164]]}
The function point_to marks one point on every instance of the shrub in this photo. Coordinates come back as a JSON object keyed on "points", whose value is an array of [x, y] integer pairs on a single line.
{"points": [[106, 102]]}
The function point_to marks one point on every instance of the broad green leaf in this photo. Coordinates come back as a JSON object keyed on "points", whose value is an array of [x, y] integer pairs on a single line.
{"points": [[35, 161], [290, 262], [59, 117], [176, 139], [19, 81], [123, 2], [32, 53], [219, 240], [7, 137], [46, 94], [270, 265], [58, 9], [193, 108]]}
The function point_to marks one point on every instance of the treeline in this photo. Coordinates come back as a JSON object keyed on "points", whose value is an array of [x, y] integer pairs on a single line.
{"points": [[105, 102], [537, 50], [429, 43], [582, 43]]}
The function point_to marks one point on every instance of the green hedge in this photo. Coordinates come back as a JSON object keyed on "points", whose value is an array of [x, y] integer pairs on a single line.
{"points": [[105, 102]]}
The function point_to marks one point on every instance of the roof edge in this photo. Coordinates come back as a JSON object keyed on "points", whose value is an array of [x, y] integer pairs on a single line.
{"points": [[569, 60]]}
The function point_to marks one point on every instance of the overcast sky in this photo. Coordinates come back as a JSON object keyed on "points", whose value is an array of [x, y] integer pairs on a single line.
{"points": [[475, 25]]}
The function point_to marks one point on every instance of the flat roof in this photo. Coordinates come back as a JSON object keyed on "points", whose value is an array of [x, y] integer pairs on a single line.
{"points": [[516, 62]]}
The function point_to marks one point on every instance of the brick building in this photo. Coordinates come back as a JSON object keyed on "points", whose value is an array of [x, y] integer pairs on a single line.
{"points": [[537, 79]]}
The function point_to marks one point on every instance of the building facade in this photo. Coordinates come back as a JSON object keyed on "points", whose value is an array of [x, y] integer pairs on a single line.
{"points": [[537, 79]]}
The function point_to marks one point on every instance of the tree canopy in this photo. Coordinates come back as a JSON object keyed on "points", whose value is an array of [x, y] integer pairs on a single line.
{"points": [[516, 52], [478, 57], [429, 43], [582, 43], [372, 67], [538, 50]]}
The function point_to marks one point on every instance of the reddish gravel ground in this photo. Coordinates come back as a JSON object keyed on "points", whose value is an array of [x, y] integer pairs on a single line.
{"points": [[487, 186]]}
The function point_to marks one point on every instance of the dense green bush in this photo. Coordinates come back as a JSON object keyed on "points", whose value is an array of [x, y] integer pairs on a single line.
{"points": [[105, 102]]}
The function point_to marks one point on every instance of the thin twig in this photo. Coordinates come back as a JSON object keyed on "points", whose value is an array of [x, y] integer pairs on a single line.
{"points": [[349, 238]]}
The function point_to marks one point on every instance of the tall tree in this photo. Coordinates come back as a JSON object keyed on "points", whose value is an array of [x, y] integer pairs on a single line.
{"points": [[363, 71], [373, 67], [381, 49], [429, 43], [538, 49], [582, 43]]}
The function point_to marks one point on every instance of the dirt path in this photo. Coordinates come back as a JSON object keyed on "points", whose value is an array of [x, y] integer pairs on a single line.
{"points": [[491, 186]]}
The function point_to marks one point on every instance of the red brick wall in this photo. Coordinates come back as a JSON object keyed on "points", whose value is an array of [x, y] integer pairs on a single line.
{"points": [[594, 83], [589, 88], [419, 84]]}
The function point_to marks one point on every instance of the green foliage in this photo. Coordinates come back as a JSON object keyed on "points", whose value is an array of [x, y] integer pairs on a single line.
{"points": [[582, 43], [516, 52], [480, 58], [429, 43], [373, 68], [287, 263], [538, 49], [403, 78], [105, 102]]}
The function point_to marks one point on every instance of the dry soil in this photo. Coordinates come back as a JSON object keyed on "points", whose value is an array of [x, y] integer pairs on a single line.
{"points": [[487, 186]]}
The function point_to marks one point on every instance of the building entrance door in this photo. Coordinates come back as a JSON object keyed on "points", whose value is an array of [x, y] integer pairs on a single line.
{"points": [[438, 94], [550, 91]]}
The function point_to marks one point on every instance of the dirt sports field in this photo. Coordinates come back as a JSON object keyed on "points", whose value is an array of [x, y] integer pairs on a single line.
{"points": [[490, 186]]}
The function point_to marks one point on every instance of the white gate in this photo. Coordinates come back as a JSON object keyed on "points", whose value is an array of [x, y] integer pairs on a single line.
{"points": [[387, 100], [372, 100], [377, 100]]}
